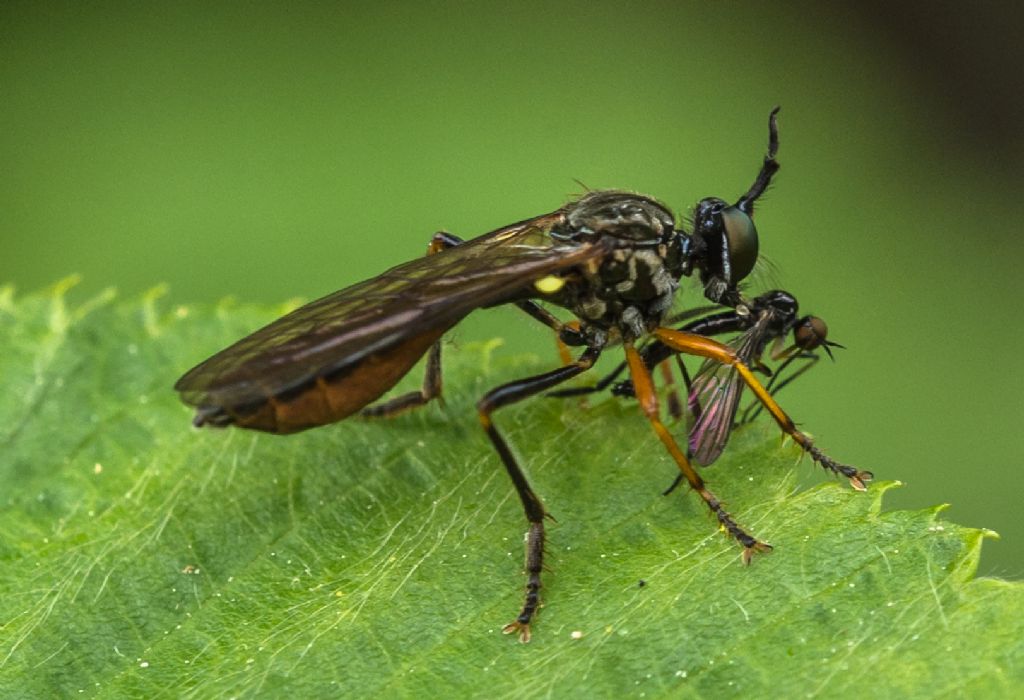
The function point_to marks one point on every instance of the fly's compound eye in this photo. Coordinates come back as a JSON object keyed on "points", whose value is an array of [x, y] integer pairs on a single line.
{"points": [[740, 243], [810, 332], [730, 237]]}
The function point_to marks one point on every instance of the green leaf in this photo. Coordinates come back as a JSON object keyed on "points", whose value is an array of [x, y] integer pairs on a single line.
{"points": [[144, 558]]}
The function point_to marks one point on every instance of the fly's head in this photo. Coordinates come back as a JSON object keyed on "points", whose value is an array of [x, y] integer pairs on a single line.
{"points": [[778, 310], [725, 248], [724, 238], [811, 332]]}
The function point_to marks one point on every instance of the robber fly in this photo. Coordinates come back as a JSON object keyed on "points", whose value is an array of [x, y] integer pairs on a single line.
{"points": [[613, 259]]}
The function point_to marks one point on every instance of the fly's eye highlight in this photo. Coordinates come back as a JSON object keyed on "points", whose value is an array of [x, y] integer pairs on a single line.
{"points": [[741, 242]]}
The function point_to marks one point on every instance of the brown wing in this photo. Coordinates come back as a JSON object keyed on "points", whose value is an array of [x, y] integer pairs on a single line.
{"points": [[422, 297]]}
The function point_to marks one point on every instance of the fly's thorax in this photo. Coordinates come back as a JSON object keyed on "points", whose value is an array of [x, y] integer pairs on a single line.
{"points": [[622, 215], [629, 289]]}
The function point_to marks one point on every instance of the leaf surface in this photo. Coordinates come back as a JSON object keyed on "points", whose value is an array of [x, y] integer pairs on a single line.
{"points": [[144, 558]]}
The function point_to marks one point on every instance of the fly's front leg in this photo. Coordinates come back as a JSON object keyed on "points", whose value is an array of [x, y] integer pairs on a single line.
{"points": [[641, 377], [657, 353], [692, 344], [566, 334], [532, 506]]}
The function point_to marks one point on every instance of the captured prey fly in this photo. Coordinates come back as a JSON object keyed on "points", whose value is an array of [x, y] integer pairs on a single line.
{"points": [[715, 391], [613, 259], [713, 394]]}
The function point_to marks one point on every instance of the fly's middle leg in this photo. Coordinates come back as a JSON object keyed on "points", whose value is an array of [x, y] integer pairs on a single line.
{"points": [[532, 506]]}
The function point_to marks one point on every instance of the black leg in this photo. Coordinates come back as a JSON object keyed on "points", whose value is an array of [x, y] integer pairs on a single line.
{"points": [[675, 407], [601, 385], [532, 506], [430, 390], [568, 333], [754, 410]]}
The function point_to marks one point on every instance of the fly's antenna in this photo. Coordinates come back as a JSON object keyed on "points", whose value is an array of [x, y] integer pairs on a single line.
{"points": [[770, 167]]}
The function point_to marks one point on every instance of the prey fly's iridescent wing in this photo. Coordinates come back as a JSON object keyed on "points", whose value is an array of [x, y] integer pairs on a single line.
{"points": [[715, 394]]}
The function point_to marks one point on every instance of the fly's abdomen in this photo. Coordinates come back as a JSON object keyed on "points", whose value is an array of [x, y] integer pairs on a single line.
{"points": [[325, 398]]}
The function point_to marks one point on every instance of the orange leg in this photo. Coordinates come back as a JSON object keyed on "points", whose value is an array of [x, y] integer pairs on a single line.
{"points": [[649, 405], [693, 344], [675, 408]]}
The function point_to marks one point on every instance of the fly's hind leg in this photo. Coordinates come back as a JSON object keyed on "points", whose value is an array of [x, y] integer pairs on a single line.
{"points": [[431, 388], [532, 506]]}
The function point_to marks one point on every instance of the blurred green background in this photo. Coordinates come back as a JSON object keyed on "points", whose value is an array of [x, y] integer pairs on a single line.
{"points": [[269, 151]]}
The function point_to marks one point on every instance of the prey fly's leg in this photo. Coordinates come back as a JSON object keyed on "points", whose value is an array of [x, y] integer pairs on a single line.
{"points": [[675, 407], [754, 410], [601, 385], [534, 509], [431, 388], [649, 405], [692, 344]]}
